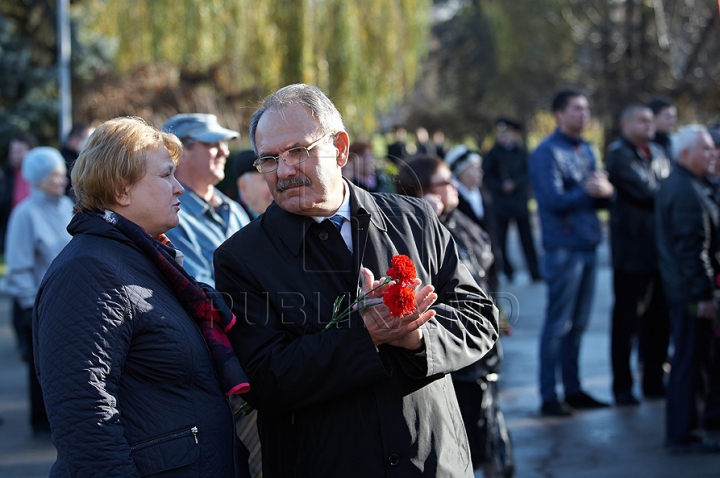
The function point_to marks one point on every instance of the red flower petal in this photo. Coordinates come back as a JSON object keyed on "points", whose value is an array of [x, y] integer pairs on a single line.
{"points": [[402, 270], [400, 300]]}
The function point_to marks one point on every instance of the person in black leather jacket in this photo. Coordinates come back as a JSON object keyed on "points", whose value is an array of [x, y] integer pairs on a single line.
{"points": [[636, 166], [132, 386], [687, 218]]}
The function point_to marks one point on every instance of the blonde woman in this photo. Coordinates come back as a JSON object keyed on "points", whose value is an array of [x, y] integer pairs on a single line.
{"points": [[130, 350]]}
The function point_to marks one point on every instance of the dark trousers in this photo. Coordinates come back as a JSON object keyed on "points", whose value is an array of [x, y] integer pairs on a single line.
{"points": [[526, 239], [23, 322], [470, 400], [640, 312], [712, 404], [692, 339]]}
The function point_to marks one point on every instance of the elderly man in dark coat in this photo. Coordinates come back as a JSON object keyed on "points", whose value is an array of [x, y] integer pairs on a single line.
{"points": [[372, 396], [688, 216]]}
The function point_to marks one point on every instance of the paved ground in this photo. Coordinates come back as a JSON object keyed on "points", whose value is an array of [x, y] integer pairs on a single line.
{"points": [[613, 442], [606, 443]]}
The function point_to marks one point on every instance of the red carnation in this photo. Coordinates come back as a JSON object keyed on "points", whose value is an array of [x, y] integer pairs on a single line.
{"points": [[402, 270], [399, 297], [400, 300]]}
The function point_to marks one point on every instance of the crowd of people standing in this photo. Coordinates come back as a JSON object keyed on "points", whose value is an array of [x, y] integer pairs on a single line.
{"points": [[184, 296]]}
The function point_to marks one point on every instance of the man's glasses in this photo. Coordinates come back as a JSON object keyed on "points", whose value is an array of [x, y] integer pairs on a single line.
{"points": [[292, 157]]}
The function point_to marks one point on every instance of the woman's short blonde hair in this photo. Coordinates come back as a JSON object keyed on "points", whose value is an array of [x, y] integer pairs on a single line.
{"points": [[114, 158]]}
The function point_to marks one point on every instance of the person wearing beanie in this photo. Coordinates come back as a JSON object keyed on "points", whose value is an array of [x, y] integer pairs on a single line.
{"points": [[254, 193], [35, 236]]}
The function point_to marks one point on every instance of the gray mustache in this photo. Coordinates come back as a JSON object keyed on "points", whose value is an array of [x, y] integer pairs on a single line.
{"points": [[284, 184]]}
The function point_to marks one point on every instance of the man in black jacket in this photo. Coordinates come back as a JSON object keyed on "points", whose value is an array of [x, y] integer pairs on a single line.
{"points": [[506, 177], [77, 137], [372, 396], [687, 215], [665, 115], [635, 167]]}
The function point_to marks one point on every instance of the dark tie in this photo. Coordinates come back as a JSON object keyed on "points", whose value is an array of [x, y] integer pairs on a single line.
{"points": [[337, 221]]}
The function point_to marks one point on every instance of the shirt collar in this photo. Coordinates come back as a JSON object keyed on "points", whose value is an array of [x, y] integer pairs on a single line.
{"points": [[465, 191], [343, 210], [196, 206], [193, 204], [291, 228]]}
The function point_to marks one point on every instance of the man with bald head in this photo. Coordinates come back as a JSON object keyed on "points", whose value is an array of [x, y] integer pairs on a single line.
{"points": [[636, 166], [371, 396], [687, 215]]}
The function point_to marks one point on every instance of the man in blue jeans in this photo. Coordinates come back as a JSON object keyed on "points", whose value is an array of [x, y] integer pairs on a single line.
{"points": [[568, 189]]}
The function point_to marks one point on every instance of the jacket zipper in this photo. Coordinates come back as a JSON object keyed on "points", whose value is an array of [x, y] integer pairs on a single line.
{"points": [[235, 438], [192, 431]]}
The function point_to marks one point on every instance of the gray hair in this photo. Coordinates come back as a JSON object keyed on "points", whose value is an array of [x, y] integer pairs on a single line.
{"points": [[310, 96], [686, 139]]}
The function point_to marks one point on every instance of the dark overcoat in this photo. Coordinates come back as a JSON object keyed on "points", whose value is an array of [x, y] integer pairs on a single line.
{"points": [[330, 404], [687, 217], [501, 164]]}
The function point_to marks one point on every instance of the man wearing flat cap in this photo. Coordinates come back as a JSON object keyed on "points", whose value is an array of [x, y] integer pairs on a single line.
{"points": [[254, 193], [506, 178], [207, 216]]}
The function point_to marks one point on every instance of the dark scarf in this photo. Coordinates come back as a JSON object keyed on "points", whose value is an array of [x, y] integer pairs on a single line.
{"points": [[203, 303]]}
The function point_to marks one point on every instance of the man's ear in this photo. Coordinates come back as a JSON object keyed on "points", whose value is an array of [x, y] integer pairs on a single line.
{"points": [[342, 143], [242, 185]]}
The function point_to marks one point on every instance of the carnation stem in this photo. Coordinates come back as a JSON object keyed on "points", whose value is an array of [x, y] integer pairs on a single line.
{"points": [[345, 314]]}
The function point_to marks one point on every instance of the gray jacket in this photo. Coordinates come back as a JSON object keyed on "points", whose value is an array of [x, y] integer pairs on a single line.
{"points": [[35, 236]]}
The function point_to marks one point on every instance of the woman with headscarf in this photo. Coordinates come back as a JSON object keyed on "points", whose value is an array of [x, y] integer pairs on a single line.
{"points": [[130, 350], [35, 236]]}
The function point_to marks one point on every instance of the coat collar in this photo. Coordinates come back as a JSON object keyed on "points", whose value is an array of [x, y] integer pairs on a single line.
{"points": [[291, 228]]}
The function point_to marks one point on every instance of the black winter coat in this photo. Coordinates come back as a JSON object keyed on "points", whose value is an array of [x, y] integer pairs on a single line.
{"points": [[501, 164], [127, 378], [687, 216], [329, 403], [632, 216], [473, 244]]}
